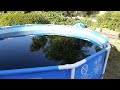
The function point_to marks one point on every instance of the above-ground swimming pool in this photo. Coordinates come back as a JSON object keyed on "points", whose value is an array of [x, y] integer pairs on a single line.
{"points": [[45, 51]]}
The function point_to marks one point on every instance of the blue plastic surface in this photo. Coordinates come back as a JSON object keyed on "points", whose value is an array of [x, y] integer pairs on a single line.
{"points": [[62, 30], [91, 69], [51, 72], [79, 25]]}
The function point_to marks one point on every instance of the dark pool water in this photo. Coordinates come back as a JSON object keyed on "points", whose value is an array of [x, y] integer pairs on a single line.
{"points": [[41, 51]]}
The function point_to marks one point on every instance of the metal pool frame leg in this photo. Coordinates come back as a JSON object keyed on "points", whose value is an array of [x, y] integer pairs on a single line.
{"points": [[72, 73], [106, 59]]}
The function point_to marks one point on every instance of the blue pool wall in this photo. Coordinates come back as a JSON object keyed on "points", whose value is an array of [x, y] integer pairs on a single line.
{"points": [[89, 68]]}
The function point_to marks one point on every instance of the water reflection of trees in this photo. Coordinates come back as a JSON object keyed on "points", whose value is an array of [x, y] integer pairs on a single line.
{"points": [[60, 48], [38, 43]]}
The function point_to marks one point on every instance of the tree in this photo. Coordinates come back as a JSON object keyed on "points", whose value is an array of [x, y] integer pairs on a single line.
{"points": [[87, 13], [69, 13], [3, 12], [27, 11]]}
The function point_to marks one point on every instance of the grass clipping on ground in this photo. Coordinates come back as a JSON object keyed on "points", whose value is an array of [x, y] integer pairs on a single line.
{"points": [[113, 65]]}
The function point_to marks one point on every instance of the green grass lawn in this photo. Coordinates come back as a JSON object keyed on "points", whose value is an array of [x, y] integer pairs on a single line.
{"points": [[113, 65]]}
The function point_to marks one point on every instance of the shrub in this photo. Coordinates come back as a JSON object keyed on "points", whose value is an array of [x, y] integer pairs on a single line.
{"points": [[45, 17], [110, 20], [20, 18]]}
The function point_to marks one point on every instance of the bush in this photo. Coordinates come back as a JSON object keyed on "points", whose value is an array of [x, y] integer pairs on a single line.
{"points": [[54, 17], [44, 17], [21, 18], [110, 20], [58, 18], [35, 18]]}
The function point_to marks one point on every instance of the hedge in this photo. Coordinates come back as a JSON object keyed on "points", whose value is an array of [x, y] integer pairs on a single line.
{"points": [[35, 18], [21, 18], [110, 20]]}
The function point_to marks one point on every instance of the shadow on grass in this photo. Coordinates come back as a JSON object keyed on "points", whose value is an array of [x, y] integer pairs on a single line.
{"points": [[114, 53], [113, 65]]}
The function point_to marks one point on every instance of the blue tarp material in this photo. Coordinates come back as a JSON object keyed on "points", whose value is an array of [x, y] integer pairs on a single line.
{"points": [[51, 72], [79, 25], [92, 68], [63, 30]]}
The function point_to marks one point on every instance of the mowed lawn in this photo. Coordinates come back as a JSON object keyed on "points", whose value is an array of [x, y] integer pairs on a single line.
{"points": [[113, 65]]}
